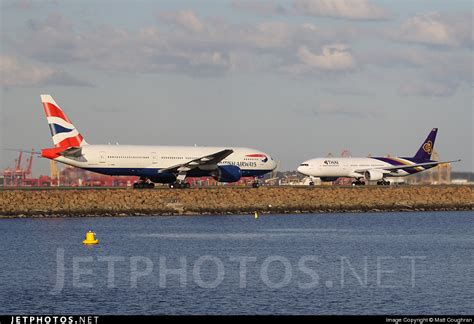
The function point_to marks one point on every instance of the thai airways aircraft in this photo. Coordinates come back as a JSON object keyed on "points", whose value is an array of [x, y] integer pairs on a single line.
{"points": [[373, 168], [153, 164]]}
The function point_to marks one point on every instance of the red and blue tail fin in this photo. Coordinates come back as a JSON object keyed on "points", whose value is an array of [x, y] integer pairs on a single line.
{"points": [[424, 153], [63, 132]]}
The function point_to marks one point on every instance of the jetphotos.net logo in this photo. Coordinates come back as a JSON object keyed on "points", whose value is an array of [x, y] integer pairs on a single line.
{"points": [[241, 272], [54, 319]]}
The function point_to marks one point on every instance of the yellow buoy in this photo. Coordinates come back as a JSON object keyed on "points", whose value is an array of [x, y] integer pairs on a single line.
{"points": [[256, 215], [90, 238]]}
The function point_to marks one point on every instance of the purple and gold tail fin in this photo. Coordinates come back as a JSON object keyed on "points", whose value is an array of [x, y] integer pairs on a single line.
{"points": [[424, 153]]}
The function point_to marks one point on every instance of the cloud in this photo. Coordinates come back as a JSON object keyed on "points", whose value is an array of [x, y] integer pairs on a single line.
{"points": [[427, 89], [189, 20], [427, 29], [186, 19], [344, 9], [342, 90], [25, 5], [50, 40], [333, 58], [183, 43], [437, 73], [63, 78], [271, 35], [264, 8], [21, 5], [334, 109], [14, 73], [433, 28]]}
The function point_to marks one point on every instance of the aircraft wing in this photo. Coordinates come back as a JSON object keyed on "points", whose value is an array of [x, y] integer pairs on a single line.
{"points": [[209, 160], [403, 167]]}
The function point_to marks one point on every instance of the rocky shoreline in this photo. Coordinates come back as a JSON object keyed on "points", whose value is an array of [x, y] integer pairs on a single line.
{"points": [[231, 201]]}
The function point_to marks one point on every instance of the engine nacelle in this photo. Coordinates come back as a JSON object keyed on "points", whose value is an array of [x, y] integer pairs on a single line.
{"points": [[227, 173], [373, 175], [328, 179]]}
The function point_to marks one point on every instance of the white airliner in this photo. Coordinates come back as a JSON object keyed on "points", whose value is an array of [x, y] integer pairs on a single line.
{"points": [[153, 164], [373, 168]]}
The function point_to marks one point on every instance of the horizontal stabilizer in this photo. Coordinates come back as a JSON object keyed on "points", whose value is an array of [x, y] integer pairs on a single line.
{"points": [[74, 151]]}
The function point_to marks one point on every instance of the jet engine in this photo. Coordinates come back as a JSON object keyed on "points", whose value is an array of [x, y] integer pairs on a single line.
{"points": [[373, 175], [227, 173]]}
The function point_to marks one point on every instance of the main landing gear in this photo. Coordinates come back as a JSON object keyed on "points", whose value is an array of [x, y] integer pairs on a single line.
{"points": [[143, 184], [179, 185], [358, 183], [256, 183], [383, 182]]}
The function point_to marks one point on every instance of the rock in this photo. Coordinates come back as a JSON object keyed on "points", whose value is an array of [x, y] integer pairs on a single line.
{"points": [[62, 203]]}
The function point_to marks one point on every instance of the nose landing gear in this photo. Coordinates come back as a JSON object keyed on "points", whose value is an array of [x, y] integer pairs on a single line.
{"points": [[256, 183], [144, 183]]}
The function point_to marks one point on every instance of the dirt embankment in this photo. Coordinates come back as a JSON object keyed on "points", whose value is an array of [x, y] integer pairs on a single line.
{"points": [[43, 203]]}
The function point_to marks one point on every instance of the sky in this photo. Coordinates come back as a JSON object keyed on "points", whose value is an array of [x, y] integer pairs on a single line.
{"points": [[297, 79]]}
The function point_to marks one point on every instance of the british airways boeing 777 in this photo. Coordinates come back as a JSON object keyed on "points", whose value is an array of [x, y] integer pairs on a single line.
{"points": [[153, 164], [373, 168]]}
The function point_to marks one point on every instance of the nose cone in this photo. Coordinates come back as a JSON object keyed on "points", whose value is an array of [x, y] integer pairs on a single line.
{"points": [[273, 164], [268, 162], [303, 168]]}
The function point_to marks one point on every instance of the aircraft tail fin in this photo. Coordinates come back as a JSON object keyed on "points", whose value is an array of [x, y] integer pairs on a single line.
{"points": [[426, 149], [63, 132]]}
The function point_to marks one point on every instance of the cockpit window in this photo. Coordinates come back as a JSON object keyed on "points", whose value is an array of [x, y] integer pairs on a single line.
{"points": [[304, 164]]}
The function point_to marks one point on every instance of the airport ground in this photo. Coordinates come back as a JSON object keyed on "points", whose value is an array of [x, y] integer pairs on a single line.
{"points": [[75, 202]]}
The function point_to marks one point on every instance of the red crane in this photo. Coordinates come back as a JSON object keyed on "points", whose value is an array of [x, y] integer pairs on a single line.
{"points": [[18, 161], [18, 172], [30, 164]]}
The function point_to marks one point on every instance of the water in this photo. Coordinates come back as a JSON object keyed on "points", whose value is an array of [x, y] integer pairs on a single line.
{"points": [[379, 263]]}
